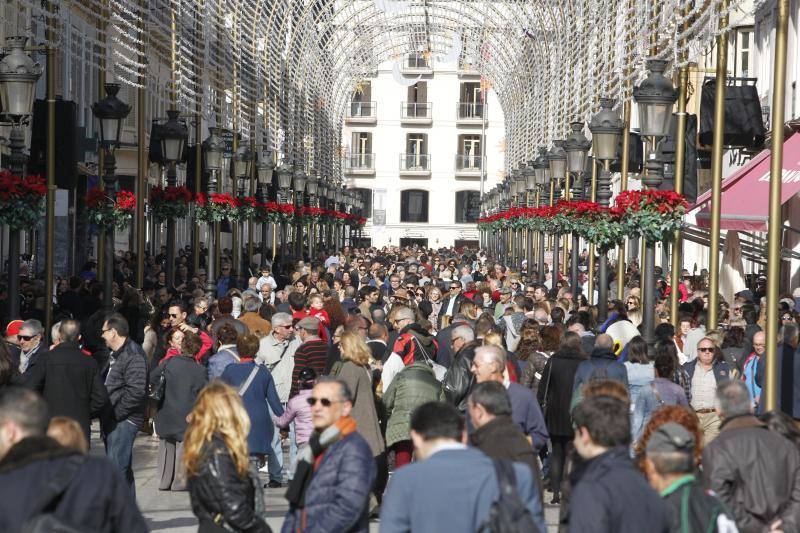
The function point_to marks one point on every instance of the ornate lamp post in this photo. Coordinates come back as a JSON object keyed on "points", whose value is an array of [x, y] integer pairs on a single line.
{"points": [[557, 161], [577, 148], [299, 186], [606, 127], [655, 97], [284, 183], [541, 170], [264, 175], [18, 77], [242, 166], [337, 199], [311, 187], [322, 199], [212, 152], [519, 184], [530, 187], [174, 134], [110, 112]]}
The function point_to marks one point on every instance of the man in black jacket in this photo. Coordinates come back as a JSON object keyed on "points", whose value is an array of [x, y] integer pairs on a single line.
{"points": [[458, 380], [754, 471], [126, 383], [93, 497], [451, 303], [69, 380]]}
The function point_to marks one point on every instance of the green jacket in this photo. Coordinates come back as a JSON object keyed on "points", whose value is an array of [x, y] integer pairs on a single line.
{"points": [[414, 385]]}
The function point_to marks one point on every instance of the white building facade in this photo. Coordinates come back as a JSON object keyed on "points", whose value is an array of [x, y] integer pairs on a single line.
{"points": [[418, 139]]}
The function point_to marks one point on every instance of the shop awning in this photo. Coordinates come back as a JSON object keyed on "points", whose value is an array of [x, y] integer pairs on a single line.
{"points": [[745, 194]]}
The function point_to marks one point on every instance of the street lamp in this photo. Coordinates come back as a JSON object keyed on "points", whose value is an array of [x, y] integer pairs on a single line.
{"points": [[284, 173], [312, 182], [606, 127], [655, 97], [174, 134], [541, 170], [264, 175], [299, 185], [242, 168], [577, 147], [213, 147], [557, 164], [18, 77], [110, 112]]}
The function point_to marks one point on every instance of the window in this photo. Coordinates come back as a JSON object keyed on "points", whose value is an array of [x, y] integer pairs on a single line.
{"points": [[366, 197], [414, 206], [362, 142], [468, 207], [470, 104]]}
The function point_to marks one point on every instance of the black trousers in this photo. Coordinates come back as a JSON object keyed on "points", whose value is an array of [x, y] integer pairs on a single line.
{"points": [[561, 447]]}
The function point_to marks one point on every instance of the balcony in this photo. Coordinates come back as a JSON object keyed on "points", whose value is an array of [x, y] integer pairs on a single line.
{"points": [[360, 164], [415, 64], [362, 113], [469, 166], [416, 113], [467, 70], [415, 165], [470, 114]]}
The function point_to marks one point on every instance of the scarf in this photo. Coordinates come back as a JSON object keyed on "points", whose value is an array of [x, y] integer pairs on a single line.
{"points": [[310, 457]]}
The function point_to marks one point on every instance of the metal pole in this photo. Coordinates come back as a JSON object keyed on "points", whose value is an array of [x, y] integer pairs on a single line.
{"points": [[680, 158], [554, 279], [213, 242], [775, 227], [624, 163], [141, 153], [198, 182], [590, 288], [13, 274], [603, 198], [110, 179], [172, 180], [49, 254], [716, 167]]}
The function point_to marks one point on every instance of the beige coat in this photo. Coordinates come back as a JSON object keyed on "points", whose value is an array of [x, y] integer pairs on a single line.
{"points": [[359, 379]]}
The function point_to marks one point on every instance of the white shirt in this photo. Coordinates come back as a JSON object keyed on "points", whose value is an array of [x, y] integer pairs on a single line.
{"points": [[704, 388], [269, 280], [279, 357], [393, 366]]}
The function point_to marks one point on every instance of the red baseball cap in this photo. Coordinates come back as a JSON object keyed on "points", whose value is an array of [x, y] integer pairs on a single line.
{"points": [[13, 328]]}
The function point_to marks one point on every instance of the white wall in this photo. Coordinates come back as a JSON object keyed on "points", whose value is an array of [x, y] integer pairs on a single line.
{"points": [[389, 141]]}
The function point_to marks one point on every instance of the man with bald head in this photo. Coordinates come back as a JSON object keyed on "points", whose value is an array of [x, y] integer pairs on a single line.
{"points": [[68, 379], [489, 364], [601, 365]]}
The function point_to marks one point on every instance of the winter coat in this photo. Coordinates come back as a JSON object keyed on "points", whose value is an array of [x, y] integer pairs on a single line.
{"points": [[556, 396], [256, 324], [611, 495], [756, 473], [458, 380], [184, 378], [414, 385], [218, 489], [218, 362], [258, 399], [299, 412], [359, 380], [97, 499], [532, 372], [602, 364], [445, 305], [502, 439], [70, 383], [336, 499], [722, 371], [126, 383]]}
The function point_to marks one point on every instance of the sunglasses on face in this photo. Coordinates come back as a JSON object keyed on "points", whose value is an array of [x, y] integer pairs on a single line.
{"points": [[705, 349], [173, 315], [786, 317], [324, 401], [25, 337]]}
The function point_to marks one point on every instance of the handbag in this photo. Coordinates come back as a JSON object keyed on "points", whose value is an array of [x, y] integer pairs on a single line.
{"points": [[156, 392], [545, 401], [438, 370]]}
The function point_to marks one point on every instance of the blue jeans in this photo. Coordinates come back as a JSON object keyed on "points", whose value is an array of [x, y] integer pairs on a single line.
{"points": [[275, 459], [119, 449]]}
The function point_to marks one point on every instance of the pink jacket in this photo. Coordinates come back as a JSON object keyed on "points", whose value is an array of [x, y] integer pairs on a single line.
{"points": [[298, 410]]}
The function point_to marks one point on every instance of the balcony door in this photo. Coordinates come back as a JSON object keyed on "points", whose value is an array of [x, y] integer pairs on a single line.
{"points": [[417, 103], [416, 150], [470, 150], [362, 149]]}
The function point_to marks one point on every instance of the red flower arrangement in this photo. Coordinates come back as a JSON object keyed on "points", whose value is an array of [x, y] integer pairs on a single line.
{"points": [[106, 212], [652, 214], [274, 212], [245, 208], [216, 207], [21, 200], [170, 203]]}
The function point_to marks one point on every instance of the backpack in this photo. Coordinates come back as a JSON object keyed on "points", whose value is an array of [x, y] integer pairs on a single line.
{"points": [[44, 521], [507, 514]]}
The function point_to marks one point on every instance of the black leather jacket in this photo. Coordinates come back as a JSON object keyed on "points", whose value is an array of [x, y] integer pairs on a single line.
{"points": [[218, 489], [458, 380]]}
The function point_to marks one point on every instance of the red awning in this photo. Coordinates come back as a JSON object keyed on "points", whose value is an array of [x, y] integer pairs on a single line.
{"points": [[745, 194]]}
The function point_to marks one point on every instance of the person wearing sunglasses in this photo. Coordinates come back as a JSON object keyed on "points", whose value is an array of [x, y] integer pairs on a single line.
{"points": [[706, 372], [450, 305], [30, 345], [343, 479]]}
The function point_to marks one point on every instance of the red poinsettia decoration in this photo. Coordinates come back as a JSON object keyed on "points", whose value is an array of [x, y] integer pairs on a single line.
{"points": [[170, 203], [21, 200], [106, 211]]}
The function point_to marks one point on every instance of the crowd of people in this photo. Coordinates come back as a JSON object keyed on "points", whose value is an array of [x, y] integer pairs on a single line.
{"points": [[422, 390]]}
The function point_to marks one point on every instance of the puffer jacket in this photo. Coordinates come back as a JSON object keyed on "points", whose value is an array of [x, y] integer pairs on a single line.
{"points": [[337, 496], [218, 492], [126, 383], [458, 380], [757, 487], [413, 386]]}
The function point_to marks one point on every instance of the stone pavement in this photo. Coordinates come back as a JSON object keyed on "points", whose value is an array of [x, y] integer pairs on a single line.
{"points": [[171, 512]]}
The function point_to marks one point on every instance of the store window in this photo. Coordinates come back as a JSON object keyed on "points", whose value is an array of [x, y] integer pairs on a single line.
{"points": [[414, 206]]}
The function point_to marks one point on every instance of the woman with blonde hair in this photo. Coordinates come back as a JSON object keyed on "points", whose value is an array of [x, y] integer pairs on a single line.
{"points": [[357, 373], [224, 495]]}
